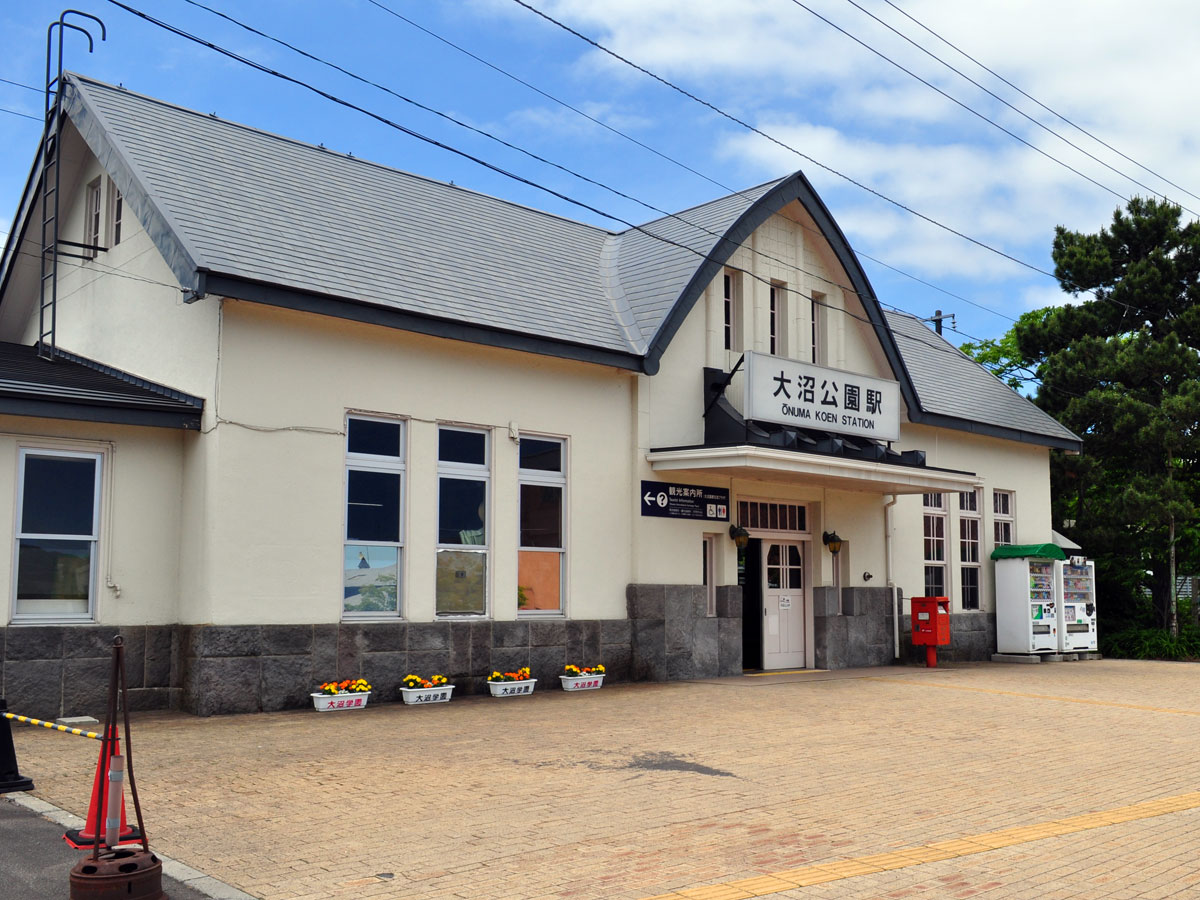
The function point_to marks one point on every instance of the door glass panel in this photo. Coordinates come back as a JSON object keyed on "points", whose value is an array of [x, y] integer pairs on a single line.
{"points": [[773, 555], [793, 555], [773, 577], [795, 579]]}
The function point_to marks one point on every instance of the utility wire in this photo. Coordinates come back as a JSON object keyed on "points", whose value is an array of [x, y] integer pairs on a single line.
{"points": [[1053, 112], [881, 327], [995, 96], [791, 149], [19, 84], [779, 143], [960, 104], [659, 153], [15, 112]]}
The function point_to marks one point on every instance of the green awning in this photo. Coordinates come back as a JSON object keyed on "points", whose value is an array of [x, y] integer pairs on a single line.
{"points": [[1040, 551]]}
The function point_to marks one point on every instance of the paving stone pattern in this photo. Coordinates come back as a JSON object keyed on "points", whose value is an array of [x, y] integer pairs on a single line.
{"points": [[644, 790]]}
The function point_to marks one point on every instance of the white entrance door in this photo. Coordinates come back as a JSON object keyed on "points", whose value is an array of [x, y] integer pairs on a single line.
{"points": [[785, 612]]}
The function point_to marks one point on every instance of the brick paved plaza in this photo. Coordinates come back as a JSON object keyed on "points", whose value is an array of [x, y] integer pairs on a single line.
{"points": [[1071, 780]]}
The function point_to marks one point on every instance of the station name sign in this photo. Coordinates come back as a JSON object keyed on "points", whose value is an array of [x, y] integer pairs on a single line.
{"points": [[789, 392], [684, 501]]}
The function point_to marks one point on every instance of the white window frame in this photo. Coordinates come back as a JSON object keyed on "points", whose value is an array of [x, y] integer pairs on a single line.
{"points": [[1004, 521], [778, 319], [732, 311], [93, 538], [371, 462], [467, 472], [93, 217], [551, 479], [816, 317], [115, 214], [933, 512], [970, 519]]}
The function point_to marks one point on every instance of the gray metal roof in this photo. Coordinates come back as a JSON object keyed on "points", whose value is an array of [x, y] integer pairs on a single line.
{"points": [[954, 391], [243, 213], [72, 387], [263, 208]]}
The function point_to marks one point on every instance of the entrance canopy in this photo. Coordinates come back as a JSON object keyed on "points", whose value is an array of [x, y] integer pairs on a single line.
{"points": [[771, 464]]}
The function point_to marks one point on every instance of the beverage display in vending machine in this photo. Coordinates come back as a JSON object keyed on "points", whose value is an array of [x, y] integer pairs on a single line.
{"points": [[1076, 582], [1026, 605]]}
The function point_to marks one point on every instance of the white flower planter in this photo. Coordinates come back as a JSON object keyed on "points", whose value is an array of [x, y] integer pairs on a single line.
{"points": [[511, 688], [582, 682], [326, 702], [440, 694]]}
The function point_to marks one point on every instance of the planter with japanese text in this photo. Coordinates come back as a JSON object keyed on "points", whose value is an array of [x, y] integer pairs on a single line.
{"points": [[326, 702], [582, 682], [421, 695], [511, 688]]}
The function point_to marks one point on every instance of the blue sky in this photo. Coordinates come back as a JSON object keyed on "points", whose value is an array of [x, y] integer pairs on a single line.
{"points": [[1128, 78]]}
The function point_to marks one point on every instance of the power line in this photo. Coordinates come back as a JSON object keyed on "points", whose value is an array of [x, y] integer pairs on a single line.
{"points": [[997, 97], [1059, 115], [959, 103], [15, 112], [20, 84], [791, 149], [880, 327], [664, 156]]}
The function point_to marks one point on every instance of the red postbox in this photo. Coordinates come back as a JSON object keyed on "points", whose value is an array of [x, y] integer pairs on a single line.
{"points": [[930, 625]]}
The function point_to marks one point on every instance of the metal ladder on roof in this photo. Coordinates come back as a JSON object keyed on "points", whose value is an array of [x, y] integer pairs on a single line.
{"points": [[51, 143]]}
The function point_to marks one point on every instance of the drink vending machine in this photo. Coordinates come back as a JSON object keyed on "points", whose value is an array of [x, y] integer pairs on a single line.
{"points": [[1076, 582], [1026, 599]]}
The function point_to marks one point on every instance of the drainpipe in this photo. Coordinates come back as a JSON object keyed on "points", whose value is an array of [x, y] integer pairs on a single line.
{"points": [[887, 543]]}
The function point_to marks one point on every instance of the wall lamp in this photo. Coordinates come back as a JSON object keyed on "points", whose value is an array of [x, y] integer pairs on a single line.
{"points": [[831, 540], [739, 536]]}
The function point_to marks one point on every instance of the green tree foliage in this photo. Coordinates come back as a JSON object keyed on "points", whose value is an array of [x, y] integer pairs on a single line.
{"points": [[1120, 368]]}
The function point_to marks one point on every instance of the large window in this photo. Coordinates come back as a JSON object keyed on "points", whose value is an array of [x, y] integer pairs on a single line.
{"points": [[462, 538], [542, 554], [93, 210], [1003, 517], [374, 545], [935, 545], [968, 547], [57, 529]]}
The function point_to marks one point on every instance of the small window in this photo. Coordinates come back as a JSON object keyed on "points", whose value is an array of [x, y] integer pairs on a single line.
{"points": [[1003, 517], [462, 536], [732, 310], [374, 543], [57, 531], [541, 557], [779, 320], [116, 211], [91, 225], [816, 319]]}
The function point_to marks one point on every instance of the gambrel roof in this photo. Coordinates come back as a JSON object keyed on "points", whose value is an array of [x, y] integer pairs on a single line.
{"points": [[241, 213]]}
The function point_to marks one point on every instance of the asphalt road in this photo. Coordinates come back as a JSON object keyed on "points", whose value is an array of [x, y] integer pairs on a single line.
{"points": [[35, 862]]}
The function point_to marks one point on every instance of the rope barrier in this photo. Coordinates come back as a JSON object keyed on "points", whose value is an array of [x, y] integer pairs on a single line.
{"points": [[29, 720]]}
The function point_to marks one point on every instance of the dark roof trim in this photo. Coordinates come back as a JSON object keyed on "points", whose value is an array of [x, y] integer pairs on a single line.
{"points": [[327, 305], [82, 412], [798, 188], [939, 420], [196, 403], [138, 198]]}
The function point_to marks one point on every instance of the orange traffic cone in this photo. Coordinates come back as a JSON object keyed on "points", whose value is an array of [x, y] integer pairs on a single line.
{"points": [[85, 838]]}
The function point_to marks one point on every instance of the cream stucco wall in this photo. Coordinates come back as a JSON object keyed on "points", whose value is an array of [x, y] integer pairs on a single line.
{"points": [[276, 504], [140, 516]]}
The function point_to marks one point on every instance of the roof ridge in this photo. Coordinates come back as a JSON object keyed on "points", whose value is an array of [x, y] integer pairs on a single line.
{"points": [[320, 148]]}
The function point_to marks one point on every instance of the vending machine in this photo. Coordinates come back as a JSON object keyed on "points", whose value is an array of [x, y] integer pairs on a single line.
{"points": [[1026, 616], [1076, 582]]}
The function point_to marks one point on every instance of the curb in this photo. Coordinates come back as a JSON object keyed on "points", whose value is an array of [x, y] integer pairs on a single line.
{"points": [[196, 880]]}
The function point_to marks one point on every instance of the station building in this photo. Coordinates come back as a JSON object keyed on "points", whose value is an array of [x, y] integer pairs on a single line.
{"points": [[288, 415]]}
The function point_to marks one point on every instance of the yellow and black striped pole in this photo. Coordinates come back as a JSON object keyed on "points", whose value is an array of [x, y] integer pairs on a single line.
{"points": [[29, 720]]}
